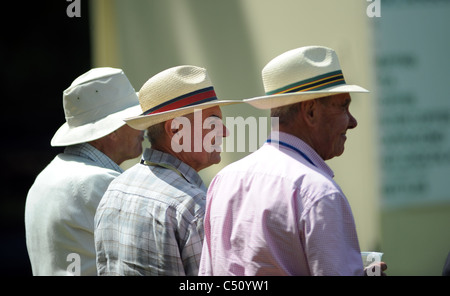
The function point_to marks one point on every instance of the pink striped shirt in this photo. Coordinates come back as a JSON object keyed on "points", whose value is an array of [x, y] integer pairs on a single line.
{"points": [[279, 212]]}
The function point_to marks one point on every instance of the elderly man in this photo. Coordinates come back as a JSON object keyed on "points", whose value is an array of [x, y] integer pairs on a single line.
{"points": [[150, 220], [278, 211], [61, 204]]}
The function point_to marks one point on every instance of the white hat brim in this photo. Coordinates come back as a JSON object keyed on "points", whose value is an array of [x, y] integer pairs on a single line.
{"points": [[142, 122], [66, 135], [275, 101]]}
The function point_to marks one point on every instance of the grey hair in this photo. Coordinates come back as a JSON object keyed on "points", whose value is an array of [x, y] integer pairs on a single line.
{"points": [[155, 132], [286, 113]]}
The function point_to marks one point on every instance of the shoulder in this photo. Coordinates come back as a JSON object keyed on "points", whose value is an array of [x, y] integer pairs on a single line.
{"points": [[71, 168], [157, 187], [69, 187], [72, 176], [270, 170], [269, 162]]}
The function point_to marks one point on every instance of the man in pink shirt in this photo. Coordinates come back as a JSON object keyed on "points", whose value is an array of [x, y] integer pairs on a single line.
{"points": [[278, 211]]}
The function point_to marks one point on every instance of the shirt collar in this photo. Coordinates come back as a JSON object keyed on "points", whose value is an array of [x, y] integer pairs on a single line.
{"points": [[90, 152], [305, 148], [165, 159]]}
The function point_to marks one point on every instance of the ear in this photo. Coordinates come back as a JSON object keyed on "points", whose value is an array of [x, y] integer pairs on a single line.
{"points": [[112, 136], [309, 112], [168, 128]]}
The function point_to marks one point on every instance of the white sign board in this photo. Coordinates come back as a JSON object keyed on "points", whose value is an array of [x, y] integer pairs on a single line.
{"points": [[412, 51]]}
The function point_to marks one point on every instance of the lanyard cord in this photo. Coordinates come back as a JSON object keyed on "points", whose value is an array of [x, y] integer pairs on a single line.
{"points": [[293, 148], [149, 163]]}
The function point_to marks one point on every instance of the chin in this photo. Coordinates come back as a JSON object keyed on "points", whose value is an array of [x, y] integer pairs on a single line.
{"points": [[334, 154], [216, 158], [138, 153], [339, 153]]}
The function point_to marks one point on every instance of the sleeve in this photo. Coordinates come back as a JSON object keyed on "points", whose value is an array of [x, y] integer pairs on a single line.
{"points": [[192, 251], [205, 261], [87, 194], [331, 242]]}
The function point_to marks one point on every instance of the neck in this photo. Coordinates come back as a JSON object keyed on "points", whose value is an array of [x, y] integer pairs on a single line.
{"points": [[189, 158], [183, 156], [102, 146], [300, 133], [164, 148]]}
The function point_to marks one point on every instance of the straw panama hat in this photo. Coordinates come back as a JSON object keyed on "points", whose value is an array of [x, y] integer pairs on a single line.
{"points": [[95, 105], [175, 92], [302, 74]]}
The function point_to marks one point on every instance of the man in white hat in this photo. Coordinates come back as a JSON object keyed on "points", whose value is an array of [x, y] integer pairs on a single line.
{"points": [[150, 220], [278, 211], [61, 204]]}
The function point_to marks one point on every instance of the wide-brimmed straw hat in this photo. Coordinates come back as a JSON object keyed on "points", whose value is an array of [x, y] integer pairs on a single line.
{"points": [[175, 92], [95, 105], [302, 74]]}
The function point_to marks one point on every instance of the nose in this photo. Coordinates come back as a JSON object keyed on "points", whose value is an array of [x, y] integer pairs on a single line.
{"points": [[352, 123], [225, 131]]}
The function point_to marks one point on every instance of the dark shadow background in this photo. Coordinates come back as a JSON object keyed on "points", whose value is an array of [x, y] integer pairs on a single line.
{"points": [[42, 52]]}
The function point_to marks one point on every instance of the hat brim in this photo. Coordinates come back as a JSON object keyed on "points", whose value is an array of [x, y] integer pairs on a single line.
{"points": [[66, 135], [142, 122], [275, 101]]}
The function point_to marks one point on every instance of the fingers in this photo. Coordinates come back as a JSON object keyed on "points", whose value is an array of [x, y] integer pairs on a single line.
{"points": [[376, 269]]}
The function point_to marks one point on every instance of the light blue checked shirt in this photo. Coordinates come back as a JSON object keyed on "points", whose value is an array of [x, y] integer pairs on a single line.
{"points": [[150, 220]]}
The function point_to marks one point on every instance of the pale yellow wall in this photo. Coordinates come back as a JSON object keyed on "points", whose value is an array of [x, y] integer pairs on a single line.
{"points": [[104, 37]]}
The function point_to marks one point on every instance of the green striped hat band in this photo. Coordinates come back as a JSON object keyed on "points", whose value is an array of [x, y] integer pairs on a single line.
{"points": [[316, 83]]}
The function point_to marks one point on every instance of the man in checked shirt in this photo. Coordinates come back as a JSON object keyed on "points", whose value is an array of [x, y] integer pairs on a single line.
{"points": [[150, 220]]}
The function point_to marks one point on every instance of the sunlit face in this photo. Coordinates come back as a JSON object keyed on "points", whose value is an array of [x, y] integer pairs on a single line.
{"points": [[205, 136], [334, 119]]}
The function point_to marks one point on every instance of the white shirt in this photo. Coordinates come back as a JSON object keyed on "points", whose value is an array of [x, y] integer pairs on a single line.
{"points": [[60, 209]]}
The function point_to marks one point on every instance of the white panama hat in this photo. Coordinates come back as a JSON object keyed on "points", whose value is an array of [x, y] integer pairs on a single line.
{"points": [[175, 92], [95, 105], [302, 74]]}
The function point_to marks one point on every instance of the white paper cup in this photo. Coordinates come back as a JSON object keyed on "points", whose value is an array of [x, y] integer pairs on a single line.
{"points": [[370, 257]]}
